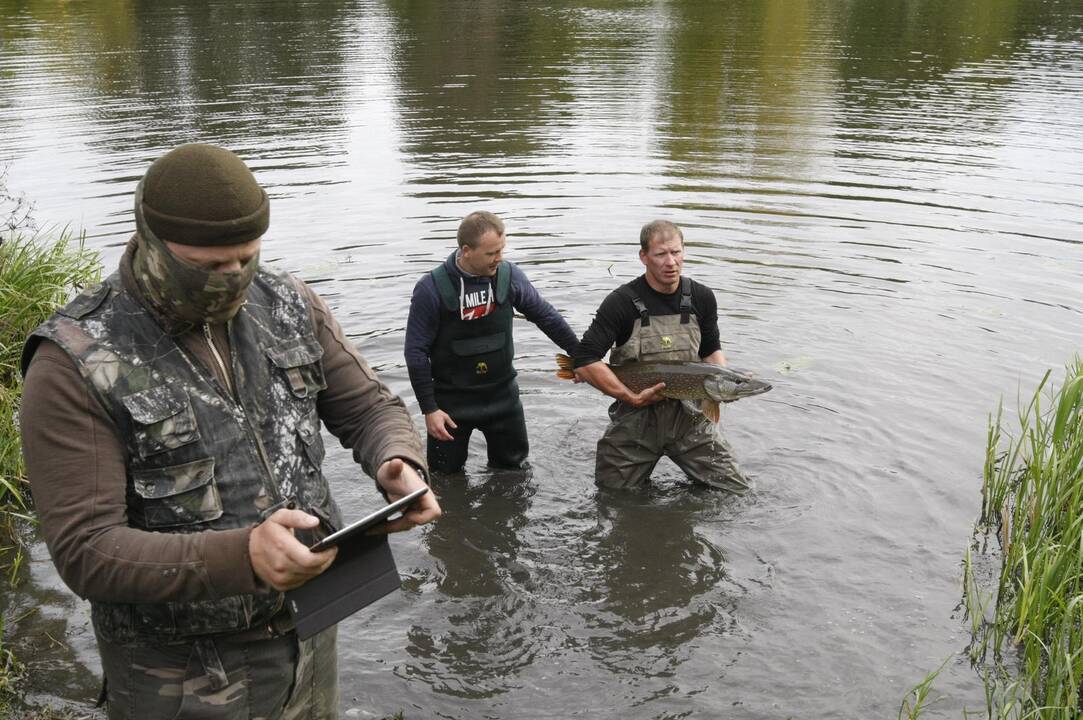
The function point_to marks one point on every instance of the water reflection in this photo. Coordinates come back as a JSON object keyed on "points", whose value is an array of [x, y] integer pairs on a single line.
{"points": [[622, 586], [128, 81], [473, 80], [656, 586], [49, 631], [931, 39], [480, 542], [484, 636], [742, 83], [188, 70]]}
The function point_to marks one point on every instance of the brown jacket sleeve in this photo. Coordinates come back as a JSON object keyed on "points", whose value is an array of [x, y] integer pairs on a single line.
{"points": [[357, 407], [76, 465]]}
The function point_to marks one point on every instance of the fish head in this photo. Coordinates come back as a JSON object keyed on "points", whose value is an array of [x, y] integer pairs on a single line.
{"points": [[731, 385]]}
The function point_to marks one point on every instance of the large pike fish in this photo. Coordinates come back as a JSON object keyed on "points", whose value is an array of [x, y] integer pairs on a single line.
{"points": [[709, 383]]}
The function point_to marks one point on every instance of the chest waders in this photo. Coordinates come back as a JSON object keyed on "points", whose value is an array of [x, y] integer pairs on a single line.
{"points": [[637, 437], [474, 378], [472, 371]]}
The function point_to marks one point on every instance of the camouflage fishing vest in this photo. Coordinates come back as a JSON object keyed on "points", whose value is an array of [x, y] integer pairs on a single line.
{"points": [[198, 459], [660, 337]]}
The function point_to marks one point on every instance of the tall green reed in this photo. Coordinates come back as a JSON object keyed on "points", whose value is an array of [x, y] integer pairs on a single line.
{"points": [[1029, 644], [920, 697]]}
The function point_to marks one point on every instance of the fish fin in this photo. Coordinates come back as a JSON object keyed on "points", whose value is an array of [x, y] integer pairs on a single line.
{"points": [[710, 409], [566, 371]]}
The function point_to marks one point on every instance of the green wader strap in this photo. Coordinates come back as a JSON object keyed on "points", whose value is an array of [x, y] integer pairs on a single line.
{"points": [[503, 282], [445, 288], [451, 297]]}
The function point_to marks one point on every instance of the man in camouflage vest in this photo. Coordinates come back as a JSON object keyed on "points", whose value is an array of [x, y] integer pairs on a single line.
{"points": [[171, 429], [660, 315]]}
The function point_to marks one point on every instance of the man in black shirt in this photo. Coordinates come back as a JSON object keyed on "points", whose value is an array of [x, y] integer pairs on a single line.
{"points": [[658, 316]]}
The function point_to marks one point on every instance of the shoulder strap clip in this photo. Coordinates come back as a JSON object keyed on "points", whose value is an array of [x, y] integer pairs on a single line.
{"points": [[641, 307], [686, 298]]}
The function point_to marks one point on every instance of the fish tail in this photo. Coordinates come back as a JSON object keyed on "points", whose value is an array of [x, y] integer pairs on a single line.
{"points": [[566, 371]]}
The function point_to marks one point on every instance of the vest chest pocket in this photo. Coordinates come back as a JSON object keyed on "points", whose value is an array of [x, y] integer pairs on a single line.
{"points": [[300, 365], [178, 495], [162, 419]]}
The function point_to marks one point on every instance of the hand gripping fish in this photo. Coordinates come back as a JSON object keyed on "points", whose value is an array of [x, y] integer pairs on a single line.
{"points": [[711, 384]]}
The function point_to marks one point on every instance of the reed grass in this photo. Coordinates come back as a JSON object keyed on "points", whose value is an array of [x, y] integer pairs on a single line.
{"points": [[1028, 633], [920, 698]]}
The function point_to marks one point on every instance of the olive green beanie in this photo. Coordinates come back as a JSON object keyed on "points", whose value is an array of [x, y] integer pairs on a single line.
{"points": [[203, 195]]}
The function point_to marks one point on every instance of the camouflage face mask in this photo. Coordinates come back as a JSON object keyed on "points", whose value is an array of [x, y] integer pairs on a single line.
{"points": [[186, 292], [183, 291]]}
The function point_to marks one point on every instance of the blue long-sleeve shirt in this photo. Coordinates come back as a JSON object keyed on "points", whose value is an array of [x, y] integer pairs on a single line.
{"points": [[426, 313]]}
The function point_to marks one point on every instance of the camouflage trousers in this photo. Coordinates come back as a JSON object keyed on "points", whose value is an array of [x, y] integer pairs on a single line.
{"points": [[637, 437], [222, 678]]}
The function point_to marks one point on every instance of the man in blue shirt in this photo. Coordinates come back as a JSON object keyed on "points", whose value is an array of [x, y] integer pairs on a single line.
{"points": [[459, 347]]}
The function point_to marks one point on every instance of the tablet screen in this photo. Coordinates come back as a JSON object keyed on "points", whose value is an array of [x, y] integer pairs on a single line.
{"points": [[369, 520]]}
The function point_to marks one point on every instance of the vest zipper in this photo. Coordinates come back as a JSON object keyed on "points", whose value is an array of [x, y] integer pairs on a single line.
{"points": [[218, 359], [229, 385]]}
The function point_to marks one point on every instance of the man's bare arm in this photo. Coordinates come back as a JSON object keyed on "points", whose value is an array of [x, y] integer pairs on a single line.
{"points": [[716, 358], [600, 376]]}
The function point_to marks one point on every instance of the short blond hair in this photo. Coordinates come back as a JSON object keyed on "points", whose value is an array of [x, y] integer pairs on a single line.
{"points": [[477, 224], [658, 228]]}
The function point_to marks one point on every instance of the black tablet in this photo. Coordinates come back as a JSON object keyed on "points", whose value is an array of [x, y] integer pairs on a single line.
{"points": [[368, 521]]}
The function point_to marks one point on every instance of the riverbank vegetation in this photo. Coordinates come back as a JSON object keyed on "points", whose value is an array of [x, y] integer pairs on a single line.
{"points": [[1031, 639], [1026, 621]]}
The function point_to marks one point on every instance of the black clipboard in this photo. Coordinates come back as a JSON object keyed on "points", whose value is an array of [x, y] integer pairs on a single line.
{"points": [[363, 572]]}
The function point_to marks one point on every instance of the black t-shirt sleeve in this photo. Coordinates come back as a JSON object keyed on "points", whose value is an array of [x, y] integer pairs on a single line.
{"points": [[706, 306], [612, 325]]}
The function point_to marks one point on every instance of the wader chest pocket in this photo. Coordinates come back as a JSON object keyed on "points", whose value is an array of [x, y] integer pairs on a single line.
{"points": [[300, 364], [162, 419], [665, 345], [467, 347], [178, 495]]}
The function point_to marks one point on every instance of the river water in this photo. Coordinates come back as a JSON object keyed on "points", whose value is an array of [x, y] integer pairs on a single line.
{"points": [[886, 196]]}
